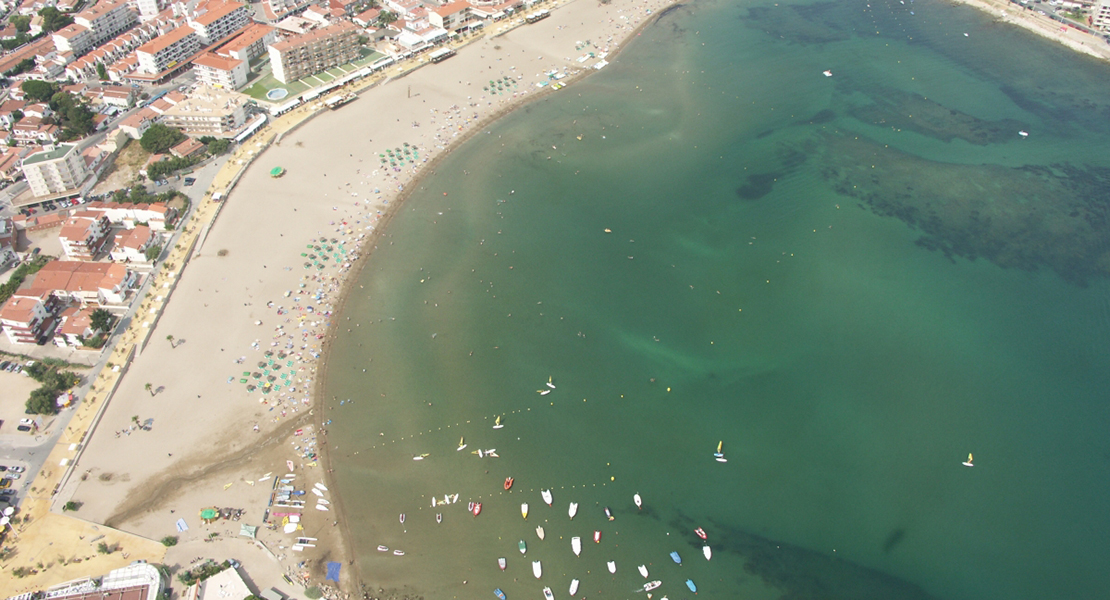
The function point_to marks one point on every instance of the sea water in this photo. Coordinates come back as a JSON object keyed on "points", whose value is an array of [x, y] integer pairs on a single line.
{"points": [[851, 282]]}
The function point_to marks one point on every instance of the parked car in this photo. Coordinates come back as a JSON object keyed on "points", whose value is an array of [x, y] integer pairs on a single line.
{"points": [[5, 483], [4, 365], [17, 468], [190, 180], [12, 476], [3, 468]]}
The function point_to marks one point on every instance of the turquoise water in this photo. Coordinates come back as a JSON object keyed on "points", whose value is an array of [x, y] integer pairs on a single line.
{"points": [[852, 281]]}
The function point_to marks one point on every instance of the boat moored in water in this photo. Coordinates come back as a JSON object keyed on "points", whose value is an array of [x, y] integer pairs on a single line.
{"points": [[643, 570], [398, 553], [573, 510], [497, 592], [383, 549], [462, 444], [501, 562], [539, 532], [524, 510], [477, 508], [700, 532], [439, 517], [612, 566], [676, 558], [508, 483], [497, 423], [597, 537], [546, 495], [690, 584], [651, 585], [402, 517], [707, 551], [639, 501], [576, 545], [609, 513], [547, 595], [523, 547], [537, 568], [573, 587]]}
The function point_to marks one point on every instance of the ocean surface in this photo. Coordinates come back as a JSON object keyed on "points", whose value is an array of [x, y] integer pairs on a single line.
{"points": [[851, 282]]}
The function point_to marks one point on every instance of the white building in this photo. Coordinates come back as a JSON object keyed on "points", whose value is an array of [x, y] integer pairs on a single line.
{"points": [[84, 235], [131, 244], [217, 19], [74, 38], [55, 170], [106, 19], [1101, 15], [167, 51], [208, 111], [221, 72], [307, 54]]}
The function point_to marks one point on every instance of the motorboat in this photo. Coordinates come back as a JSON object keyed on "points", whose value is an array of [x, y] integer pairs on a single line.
{"points": [[477, 508], [537, 568], [497, 592], [643, 570], [549, 384], [576, 545], [501, 562], [470, 507], [612, 566], [651, 585], [398, 553], [546, 494], [439, 517], [547, 595], [523, 547], [383, 549], [597, 537], [676, 558], [573, 510], [322, 501], [462, 444], [968, 462], [508, 483], [1023, 133], [707, 551], [690, 584], [497, 423], [402, 517], [700, 532], [539, 532], [609, 513], [639, 501], [827, 73], [573, 587], [524, 510]]}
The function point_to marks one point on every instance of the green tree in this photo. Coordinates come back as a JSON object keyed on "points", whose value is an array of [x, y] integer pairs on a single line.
{"points": [[153, 252], [100, 319], [217, 147], [385, 17], [22, 23], [169, 338], [21, 67], [71, 505], [169, 540], [103, 548], [42, 402], [41, 91], [54, 19], [150, 388], [160, 138], [101, 72]]}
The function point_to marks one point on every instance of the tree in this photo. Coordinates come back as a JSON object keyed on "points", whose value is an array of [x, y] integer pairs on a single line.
{"points": [[385, 17], [54, 19], [100, 319], [150, 388], [42, 91], [169, 338], [153, 252], [103, 548], [71, 505], [135, 419], [42, 402], [160, 138], [217, 147], [101, 72], [22, 23], [169, 540], [21, 67]]}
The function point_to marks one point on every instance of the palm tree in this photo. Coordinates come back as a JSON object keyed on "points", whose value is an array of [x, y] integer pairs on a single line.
{"points": [[135, 419], [169, 338], [148, 388]]}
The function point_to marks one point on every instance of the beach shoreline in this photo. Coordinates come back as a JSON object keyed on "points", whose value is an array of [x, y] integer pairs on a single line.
{"points": [[1043, 26]]}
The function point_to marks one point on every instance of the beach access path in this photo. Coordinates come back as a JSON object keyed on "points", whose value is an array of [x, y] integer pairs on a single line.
{"points": [[210, 435]]}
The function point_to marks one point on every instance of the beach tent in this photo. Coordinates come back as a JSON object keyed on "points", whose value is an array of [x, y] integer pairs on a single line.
{"points": [[209, 514], [277, 172]]}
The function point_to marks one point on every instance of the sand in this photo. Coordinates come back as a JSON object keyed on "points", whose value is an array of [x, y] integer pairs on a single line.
{"points": [[1043, 26], [241, 294]]}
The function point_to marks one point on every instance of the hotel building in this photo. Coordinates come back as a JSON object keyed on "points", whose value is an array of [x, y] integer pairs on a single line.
{"points": [[309, 53], [55, 170], [167, 51]]}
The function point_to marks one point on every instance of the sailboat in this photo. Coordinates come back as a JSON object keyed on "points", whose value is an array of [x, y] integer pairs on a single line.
{"points": [[524, 510], [573, 510], [549, 384], [639, 501], [462, 444], [539, 531], [720, 456], [497, 423], [576, 545], [968, 462], [546, 494], [543, 392]]}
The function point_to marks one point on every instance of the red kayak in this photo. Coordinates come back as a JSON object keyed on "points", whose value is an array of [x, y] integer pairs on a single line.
{"points": [[477, 508], [508, 483], [700, 532], [597, 537]]}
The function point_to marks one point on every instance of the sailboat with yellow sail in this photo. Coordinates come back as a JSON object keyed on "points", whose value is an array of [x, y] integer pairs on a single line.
{"points": [[968, 462], [462, 444], [720, 456], [497, 423]]}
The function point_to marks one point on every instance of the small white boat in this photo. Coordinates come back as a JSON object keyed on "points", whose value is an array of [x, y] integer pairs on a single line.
{"points": [[383, 549], [573, 510], [421, 456], [454, 498], [720, 456], [612, 566], [707, 552], [547, 595], [543, 392], [968, 463], [639, 501], [439, 517], [322, 501], [643, 570], [402, 517], [321, 487], [546, 494], [539, 532], [549, 384], [497, 423], [651, 585], [318, 492], [524, 510], [321, 507], [398, 553], [501, 562], [1023, 133], [462, 444], [537, 568], [573, 587], [827, 73], [576, 545]]}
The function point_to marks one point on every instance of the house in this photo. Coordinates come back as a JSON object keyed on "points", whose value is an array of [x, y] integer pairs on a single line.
{"points": [[136, 124], [217, 19], [451, 16], [157, 216], [8, 239], [74, 324], [168, 51], [84, 235], [28, 318], [188, 148], [131, 244], [84, 282]]}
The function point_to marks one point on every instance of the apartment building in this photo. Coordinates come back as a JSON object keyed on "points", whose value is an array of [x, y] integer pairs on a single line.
{"points": [[74, 38], [84, 235], [249, 44], [106, 20], [217, 19], [1100, 15], [208, 111], [309, 53], [167, 51], [55, 170], [84, 282], [28, 318], [220, 71]]}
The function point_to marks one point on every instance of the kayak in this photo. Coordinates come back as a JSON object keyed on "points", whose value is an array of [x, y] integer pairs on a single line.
{"points": [[539, 531], [643, 570], [537, 568], [651, 585], [707, 552], [383, 549], [576, 545], [612, 566], [690, 584], [501, 562], [523, 547], [546, 494], [573, 587], [524, 510], [676, 558], [597, 537], [573, 510], [508, 483], [497, 592]]}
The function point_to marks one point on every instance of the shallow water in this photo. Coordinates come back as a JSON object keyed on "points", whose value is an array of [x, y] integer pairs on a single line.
{"points": [[852, 281]]}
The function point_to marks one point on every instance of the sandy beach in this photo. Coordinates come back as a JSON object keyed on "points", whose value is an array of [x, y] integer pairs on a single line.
{"points": [[1043, 26], [258, 296]]}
